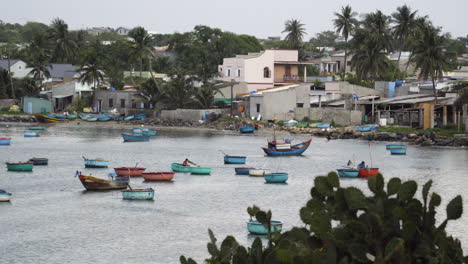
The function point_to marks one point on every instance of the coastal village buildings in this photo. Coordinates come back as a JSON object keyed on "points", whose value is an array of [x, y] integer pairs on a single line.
{"points": [[18, 68]]}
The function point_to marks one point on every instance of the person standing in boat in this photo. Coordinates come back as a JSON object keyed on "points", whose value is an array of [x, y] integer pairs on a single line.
{"points": [[362, 165]]}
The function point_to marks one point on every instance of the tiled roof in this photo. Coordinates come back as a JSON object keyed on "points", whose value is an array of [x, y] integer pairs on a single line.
{"points": [[4, 63], [62, 70]]}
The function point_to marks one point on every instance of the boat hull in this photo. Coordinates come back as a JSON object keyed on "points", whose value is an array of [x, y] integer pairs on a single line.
{"points": [[257, 228], [234, 159], [23, 166], [246, 129], [49, 118], [129, 171], [368, 172], [278, 177], [348, 173], [295, 150], [5, 141], [367, 128], [178, 167], [395, 146], [5, 197], [138, 194], [158, 176], [39, 161], [243, 170], [96, 163], [259, 172], [96, 184], [200, 170], [36, 128], [134, 138], [398, 151], [150, 133], [322, 125], [30, 134]]}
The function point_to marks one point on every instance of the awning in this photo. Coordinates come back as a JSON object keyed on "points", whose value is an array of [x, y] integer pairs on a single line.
{"points": [[61, 96]]}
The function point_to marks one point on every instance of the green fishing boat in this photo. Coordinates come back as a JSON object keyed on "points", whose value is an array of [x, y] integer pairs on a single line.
{"points": [[200, 170], [19, 166], [178, 167], [36, 127]]}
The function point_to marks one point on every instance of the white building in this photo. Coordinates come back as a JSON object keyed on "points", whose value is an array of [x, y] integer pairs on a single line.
{"points": [[18, 68], [122, 31]]}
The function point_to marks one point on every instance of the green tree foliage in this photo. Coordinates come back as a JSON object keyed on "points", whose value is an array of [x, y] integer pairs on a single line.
{"points": [[5, 84], [141, 45], [179, 89], [91, 70], [295, 33], [343, 225], [345, 23], [64, 47], [150, 92]]}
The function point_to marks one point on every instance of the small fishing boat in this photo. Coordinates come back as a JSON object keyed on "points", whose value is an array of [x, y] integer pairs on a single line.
{"points": [[395, 146], [5, 141], [259, 172], [36, 127], [243, 170], [302, 124], [158, 176], [96, 184], [60, 116], [148, 132], [200, 170], [129, 171], [91, 119], [257, 228], [51, 115], [234, 159], [19, 166], [368, 172], [138, 194], [39, 161], [367, 128], [5, 196], [137, 131], [128, 118], [95, 163], [348, 173], [295, 150], [72, 116], [49, 118], [246, 129], [103, 118], [322, 125], [178, 167], [30, 134], [135, 138], [276, 177], [141, 116], [398, 151]]}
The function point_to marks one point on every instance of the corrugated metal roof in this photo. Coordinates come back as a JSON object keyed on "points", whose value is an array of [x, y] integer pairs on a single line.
{"points": [[4, 63]]}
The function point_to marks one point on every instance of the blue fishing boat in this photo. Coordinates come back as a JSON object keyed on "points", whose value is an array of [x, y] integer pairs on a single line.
{"points": [[137, 131], [257, 228], [140, 116], [395, 146], [138, 194], [243, 170], [51, 115], [30, 134], [294, 150], [5, 141], [348, 173], [147, 132], [128, 118], [367, 128], [91, 119], [135, 138], [398, 151], [95, 163], [104, 118], [234, 159], [246, 129], [5, 196], [39, 161], [322, 125], [276, 177]]}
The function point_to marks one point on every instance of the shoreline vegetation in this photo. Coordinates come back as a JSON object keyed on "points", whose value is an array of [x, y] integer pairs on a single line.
{"points": [[449, 137]]}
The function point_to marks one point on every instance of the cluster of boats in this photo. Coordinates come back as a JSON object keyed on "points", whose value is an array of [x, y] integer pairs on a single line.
{"points": [[139, 135], [397, 149], [89, 117], [363, 128]]}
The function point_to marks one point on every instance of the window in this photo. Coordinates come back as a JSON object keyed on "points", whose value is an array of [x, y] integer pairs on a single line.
{"points": [[266, 72], [111, 102], [142, 105], [300, 105], [133, 104], [228, 72], [258, 108], [238, 72], [122, 103]]}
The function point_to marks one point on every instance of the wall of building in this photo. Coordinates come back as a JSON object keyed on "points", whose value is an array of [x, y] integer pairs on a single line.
{"points": [[286, 55], [339, 116], [254, 68], [273, 104], [240, 88], [5, 103], [189, 115], [20, 70], [280, 71], [33, 105], [232, 64], [348, 88], [117, 96]]}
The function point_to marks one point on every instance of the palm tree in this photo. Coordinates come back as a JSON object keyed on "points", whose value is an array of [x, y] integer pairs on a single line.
{"points": [[345, 24], [430, 56], [404, 26], [151, 92], [179, 90], [369, 60], [64, 47], [142, 45], [39, 68], [296, 32], [90, 71], [377, 28], [204, 96]]}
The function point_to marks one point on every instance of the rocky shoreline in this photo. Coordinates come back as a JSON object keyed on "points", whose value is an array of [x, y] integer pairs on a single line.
{"points": [[18, 118]]}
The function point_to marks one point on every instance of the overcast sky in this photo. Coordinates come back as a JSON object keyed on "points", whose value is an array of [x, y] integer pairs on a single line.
{"points": [[261, 18]]}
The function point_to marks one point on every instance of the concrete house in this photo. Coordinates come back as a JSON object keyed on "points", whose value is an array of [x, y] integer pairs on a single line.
{"points": [[18, 68], [124, 101], [34, 105], [63, 94], [61, 73], [122, 31]]}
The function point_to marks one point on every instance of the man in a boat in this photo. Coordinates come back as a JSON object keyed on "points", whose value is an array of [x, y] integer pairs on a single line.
{"points": [[186, 163], [362, 165]]}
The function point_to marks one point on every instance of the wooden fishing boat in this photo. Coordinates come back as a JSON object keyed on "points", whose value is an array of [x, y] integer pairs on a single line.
{"points": [[135, 138], [234, 159], [5, 141], [322, 125], [138, 194], [20, 166], [30, 134], [36, 127], [200, 170], [257, 228], [395, 146], [276, 177], [348, 173], [259, 172], [367, 128], [246, 129], [129, 171], [95, 163], [49, 118], [398, 151], [39, 161], [103, 118], [243, 170], [178, 167], [128, 118], [294, 150], [368, 172], [5, 196], [96, 184], [158, 176]]}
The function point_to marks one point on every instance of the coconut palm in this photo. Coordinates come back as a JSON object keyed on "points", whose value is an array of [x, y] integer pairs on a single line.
{"points": [[296, 32], [404, 26], [377, 26], [204, 96], [90, 70], [151, 92], [39, 67], [142, 45], [179, 90], [64, 47], [345, 24]]}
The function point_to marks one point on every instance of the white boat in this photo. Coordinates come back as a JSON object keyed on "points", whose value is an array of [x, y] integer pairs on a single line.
{"points": [[259, 172], [5, 196]]}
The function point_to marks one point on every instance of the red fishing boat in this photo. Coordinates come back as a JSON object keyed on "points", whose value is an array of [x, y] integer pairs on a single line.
{"points": [[129, 171], [158, 176], [368, 172]]}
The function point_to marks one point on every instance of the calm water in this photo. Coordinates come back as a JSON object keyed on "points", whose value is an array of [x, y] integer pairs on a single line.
{"points": [[52, 220]]}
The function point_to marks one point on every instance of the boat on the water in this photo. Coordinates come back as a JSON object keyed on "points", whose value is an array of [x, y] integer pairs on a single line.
{"points": [[30, 134], [5, 196], [398, 151], [137, 131], [20, 166], [200, 170], [243, 170], [96, 184], [234, 159], [36, 127], [247, 129], [348, 173], [259, 172], [138, 194], [178, 167], [276, 177], [129, 171], [39, 161], [158, 176], [367, 128], [95, 163], [395, 146], [257, 228], [285, 149], [5, 141], [135, 138], [368, 172], [147, 132]]}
